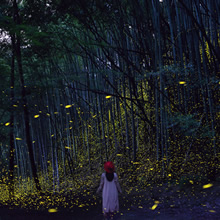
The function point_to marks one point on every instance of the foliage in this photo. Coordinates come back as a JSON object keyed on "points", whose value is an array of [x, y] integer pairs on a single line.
{"points": [[135, 82]]}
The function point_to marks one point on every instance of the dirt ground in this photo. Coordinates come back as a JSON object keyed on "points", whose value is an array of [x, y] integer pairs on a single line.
{"points": [[156, 203]]}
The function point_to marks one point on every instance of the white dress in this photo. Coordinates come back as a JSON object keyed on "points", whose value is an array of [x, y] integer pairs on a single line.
{"points": [[110, 190]]}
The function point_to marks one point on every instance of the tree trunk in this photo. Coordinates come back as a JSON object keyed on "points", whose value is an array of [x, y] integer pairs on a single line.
{"points": [[12, 144], [24, 99]]}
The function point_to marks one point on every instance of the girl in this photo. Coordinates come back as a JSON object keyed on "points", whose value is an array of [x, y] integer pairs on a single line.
{"points": [[110, 187]]}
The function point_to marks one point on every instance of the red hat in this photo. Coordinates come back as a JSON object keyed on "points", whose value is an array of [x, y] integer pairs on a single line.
{"points": [[109, 167]]}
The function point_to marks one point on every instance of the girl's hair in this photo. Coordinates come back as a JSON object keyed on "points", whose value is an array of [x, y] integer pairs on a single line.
{"points": [[109, 176]]}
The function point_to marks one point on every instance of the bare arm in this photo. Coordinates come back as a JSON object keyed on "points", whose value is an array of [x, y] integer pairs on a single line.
{"points": [[101, 185], [117, 184]]}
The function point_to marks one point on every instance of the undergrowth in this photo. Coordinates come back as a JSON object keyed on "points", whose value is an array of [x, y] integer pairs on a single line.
{"points": [[79, 190]]}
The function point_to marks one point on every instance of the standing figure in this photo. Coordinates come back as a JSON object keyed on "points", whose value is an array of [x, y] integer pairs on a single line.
{"points": [[110, 187]]}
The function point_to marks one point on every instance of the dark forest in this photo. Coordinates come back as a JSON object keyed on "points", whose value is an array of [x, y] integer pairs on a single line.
{"points": [[136, 82]]}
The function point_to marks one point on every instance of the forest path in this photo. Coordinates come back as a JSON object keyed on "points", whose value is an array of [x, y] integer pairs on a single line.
{"points": [[179, 214], [160, 213], [156, 204]]}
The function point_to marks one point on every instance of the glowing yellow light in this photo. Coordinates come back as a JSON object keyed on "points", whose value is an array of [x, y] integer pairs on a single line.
{"points": [[55, 113], [18, 139], [207, 186], [68, 106], [140, 207], [154, 206], [15, 106], [119, 155], [182, 82], [108, 96], [7, 124], [94, 116], [191, 181], [52, 210], [212, 211], [156, 202], [67, 147], [136, 162], [36, 116], [169, 174]]}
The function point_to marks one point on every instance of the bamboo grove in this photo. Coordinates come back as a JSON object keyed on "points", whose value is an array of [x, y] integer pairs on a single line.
{"points": [[82, 82]]}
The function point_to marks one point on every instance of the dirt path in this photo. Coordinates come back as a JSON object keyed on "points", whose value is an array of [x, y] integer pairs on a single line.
{"points": [[157, 203], [160, 213]]}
